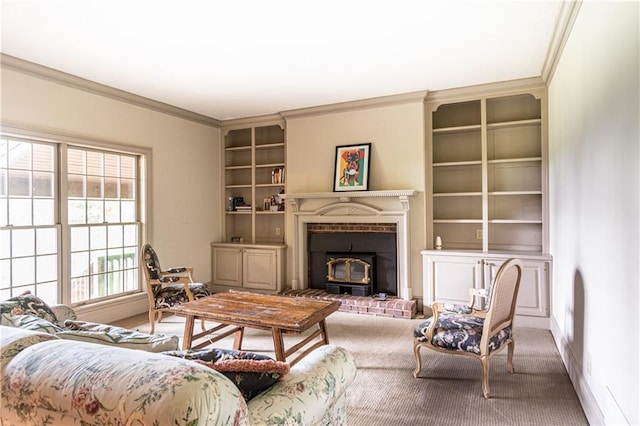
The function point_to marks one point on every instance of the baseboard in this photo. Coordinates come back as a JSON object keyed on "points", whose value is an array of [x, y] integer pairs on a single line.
{"points": [[588, 401], [532, 322]]}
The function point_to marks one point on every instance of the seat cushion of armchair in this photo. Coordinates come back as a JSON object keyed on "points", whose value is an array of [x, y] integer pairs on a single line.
{"points": [[460, 333], [167, 296]]}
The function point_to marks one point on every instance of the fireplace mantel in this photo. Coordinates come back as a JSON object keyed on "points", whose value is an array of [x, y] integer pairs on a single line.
{"points": [[403, 195], [391, 206]]}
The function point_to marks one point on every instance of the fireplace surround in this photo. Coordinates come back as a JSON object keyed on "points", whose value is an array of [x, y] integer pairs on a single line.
{"points": [[361, 208]]}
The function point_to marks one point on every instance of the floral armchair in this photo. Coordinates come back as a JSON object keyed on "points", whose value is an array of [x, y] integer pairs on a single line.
{"points": [[480, 333], [168, 288]]}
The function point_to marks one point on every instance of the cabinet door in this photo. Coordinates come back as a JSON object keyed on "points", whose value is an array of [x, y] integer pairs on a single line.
{"points": [[532, 296], [260, 269], [227, 266], [452, 277]]}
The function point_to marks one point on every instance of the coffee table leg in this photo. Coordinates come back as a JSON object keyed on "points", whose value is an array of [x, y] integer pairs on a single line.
{"points": [[188, 332], [237, 339], [278, 344], [323, 330]]}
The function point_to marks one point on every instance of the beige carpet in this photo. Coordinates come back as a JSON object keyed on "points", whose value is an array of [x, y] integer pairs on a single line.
{"points": [[448, 391]]}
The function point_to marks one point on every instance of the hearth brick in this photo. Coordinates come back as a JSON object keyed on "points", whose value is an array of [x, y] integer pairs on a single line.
{"points": [[394, 307]]}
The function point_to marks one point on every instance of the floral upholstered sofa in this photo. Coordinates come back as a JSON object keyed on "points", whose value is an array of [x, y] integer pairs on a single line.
{"points": [[50, 380]]}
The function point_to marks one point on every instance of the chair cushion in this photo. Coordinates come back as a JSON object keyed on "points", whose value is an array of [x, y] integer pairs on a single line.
{"points": [[460, 333], [173, 295], [117, 336], [251, 373], [28, 304]]}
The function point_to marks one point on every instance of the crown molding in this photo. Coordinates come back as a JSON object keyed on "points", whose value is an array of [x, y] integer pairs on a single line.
{"points": [[259, 120], [534, 85], [377, 102], [568, 16], [46, 73]]}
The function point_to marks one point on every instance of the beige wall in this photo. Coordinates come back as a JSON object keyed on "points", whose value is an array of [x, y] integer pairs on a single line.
{"points": [[185, 169], [396, 134], [594, 211]]}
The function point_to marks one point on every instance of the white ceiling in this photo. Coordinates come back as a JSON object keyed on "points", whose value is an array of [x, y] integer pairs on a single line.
{"points": [[244, 58]]}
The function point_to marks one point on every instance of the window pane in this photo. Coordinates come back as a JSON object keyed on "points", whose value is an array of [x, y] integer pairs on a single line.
{"points": [[42, 184], [76, 161], [23, 242], [46, 241], [19, 155], [112, 211], [110, 187], [94, 187], [79, 264], [43, 212], [75, 186], [48, 291], [43, 157], [4, 205], [127, 189], [47, 267], [77, 211], [4, 145], [95, 163], [3, 182], [19, 183], [127, 167], [111, 165], [23, 271], [5, 274], [95, 211], [131, 235], [128, 211], [98, 237], [20, 211], [5, 244], [115, 237], [79, 238]]}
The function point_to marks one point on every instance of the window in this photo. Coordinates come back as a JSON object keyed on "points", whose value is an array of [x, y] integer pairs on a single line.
{"points": [[91, 227]]}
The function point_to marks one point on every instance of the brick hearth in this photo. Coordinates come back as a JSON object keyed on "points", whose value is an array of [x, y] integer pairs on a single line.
{"points": [[393, 307]]}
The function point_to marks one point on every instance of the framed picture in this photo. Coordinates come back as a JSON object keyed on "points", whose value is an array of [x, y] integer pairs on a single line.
{"points": [[351, 170]]}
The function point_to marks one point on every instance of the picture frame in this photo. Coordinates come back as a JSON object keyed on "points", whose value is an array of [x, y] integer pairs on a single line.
{"points": [[351, 167]]}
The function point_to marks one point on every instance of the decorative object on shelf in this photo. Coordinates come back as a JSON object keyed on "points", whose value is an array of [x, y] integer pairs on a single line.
{"points": [[438, 243], [351, 171], [277, 175]]}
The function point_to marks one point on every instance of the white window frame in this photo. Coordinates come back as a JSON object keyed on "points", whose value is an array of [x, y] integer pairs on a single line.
{"points": [[63, 142]]}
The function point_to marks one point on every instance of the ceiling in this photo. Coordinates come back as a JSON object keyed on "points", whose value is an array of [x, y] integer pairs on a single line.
{"points": [[245, 58]]}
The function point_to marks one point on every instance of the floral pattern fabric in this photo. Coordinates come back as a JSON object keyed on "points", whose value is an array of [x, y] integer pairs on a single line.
{"points": [[28, 304], [460, 333], [312, 394], [171, 295], [42, 385], [49, 381]]}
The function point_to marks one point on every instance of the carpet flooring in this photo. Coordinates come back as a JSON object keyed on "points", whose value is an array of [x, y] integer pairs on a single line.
{"points": [[448, 390]]}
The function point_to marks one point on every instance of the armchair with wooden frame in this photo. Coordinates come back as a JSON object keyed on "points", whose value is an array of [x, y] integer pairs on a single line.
{"points": [[168, 288], [480, 333]]}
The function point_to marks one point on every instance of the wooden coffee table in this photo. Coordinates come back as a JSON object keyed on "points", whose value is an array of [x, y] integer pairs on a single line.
{"points": [[235, 310]]}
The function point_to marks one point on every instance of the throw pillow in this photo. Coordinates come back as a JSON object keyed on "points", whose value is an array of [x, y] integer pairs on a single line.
{"points": [[251, 373], [29, 322], [28, 304], [117, 336]]}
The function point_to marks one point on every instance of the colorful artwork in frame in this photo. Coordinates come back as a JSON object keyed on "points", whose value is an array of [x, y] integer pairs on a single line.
{"points": [[351, 171]]}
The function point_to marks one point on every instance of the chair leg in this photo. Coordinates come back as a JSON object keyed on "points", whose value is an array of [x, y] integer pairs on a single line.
{"points": [[485, 360], [202, 325], [152, 320], [510, 349], [416, 352]]}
